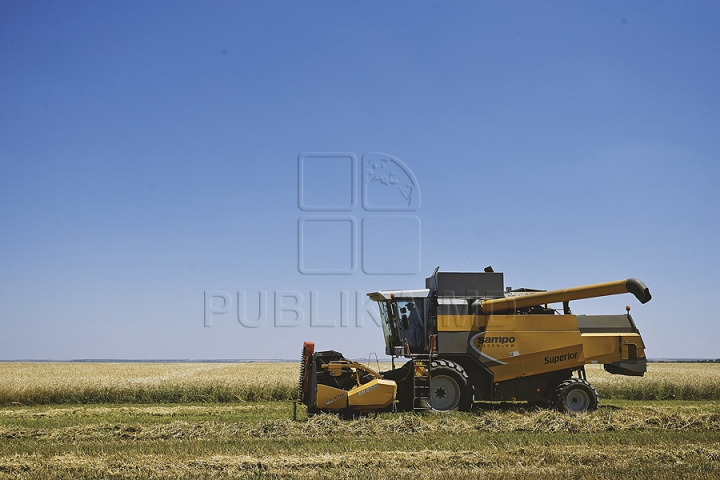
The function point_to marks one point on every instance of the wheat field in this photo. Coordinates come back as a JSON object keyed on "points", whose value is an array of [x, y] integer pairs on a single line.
{"points": [[663, 381], [81, 383], [63, 383]]}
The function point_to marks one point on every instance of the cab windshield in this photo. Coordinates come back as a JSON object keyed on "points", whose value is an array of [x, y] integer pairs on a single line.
{"points": [[388, 325], [404, 325]]}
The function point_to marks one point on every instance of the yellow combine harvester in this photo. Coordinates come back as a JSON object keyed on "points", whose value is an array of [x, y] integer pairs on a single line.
{"points": [[467, 339]]}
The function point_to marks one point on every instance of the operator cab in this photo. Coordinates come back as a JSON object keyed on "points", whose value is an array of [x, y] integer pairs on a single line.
{"points": [[408, 319]]}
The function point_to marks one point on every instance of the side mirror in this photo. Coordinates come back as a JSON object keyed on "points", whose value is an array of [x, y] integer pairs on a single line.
{"points": [[405, 323]]}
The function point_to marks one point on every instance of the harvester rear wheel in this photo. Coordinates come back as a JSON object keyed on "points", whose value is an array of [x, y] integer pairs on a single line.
{"points": [[576, 395], [450, 387]]}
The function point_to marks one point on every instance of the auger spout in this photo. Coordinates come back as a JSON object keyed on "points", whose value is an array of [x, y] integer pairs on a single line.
{"points": [[631, 285]]}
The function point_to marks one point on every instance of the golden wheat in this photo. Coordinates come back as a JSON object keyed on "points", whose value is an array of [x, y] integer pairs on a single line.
{"points": [[36, 383], [66, 383], [663, 381]]}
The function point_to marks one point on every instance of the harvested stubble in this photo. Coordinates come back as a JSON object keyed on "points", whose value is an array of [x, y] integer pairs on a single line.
{"points": [[635, 418], [552, 462], [633, 441]]}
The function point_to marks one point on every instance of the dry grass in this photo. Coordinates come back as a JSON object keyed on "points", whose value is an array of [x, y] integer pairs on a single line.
{"points": [[662, 440], [201, 426], [689, 461]]}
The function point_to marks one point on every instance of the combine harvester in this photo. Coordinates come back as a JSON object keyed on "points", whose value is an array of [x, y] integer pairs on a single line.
{"points": [[467, 339]]}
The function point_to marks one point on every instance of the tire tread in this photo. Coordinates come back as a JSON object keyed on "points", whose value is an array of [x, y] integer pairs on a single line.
{"points": [[594, 400], [465, 403]]}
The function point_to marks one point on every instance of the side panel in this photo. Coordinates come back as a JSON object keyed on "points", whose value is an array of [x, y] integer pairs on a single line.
{"points": [[373, 395], [535, 354], [513, 346], [331, 398], [605, 324], [608, 348], [460, 323], [478, 323], [534, 388]]}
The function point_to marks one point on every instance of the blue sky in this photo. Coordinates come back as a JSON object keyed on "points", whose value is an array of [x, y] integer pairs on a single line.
{"points": [[149, 153]]}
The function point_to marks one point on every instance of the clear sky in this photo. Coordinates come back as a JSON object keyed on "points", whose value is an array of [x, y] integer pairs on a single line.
{"points": [[157, 156]]}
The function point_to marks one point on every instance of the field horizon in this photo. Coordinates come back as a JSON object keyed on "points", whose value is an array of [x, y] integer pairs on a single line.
{"points": [[278, 360]]}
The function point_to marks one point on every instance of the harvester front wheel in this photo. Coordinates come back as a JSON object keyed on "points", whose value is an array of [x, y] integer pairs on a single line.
{"points": [[576, 395], [450, 387]]}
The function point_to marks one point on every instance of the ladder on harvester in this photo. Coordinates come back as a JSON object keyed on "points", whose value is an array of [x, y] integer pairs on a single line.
{"points": [[421, 384]]}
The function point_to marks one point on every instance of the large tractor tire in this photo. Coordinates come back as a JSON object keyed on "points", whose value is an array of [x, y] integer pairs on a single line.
{"points": [[576, 395], [450, 387]]}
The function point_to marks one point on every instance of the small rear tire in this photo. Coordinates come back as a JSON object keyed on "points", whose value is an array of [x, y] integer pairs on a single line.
{"points": [[576, 395]]}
